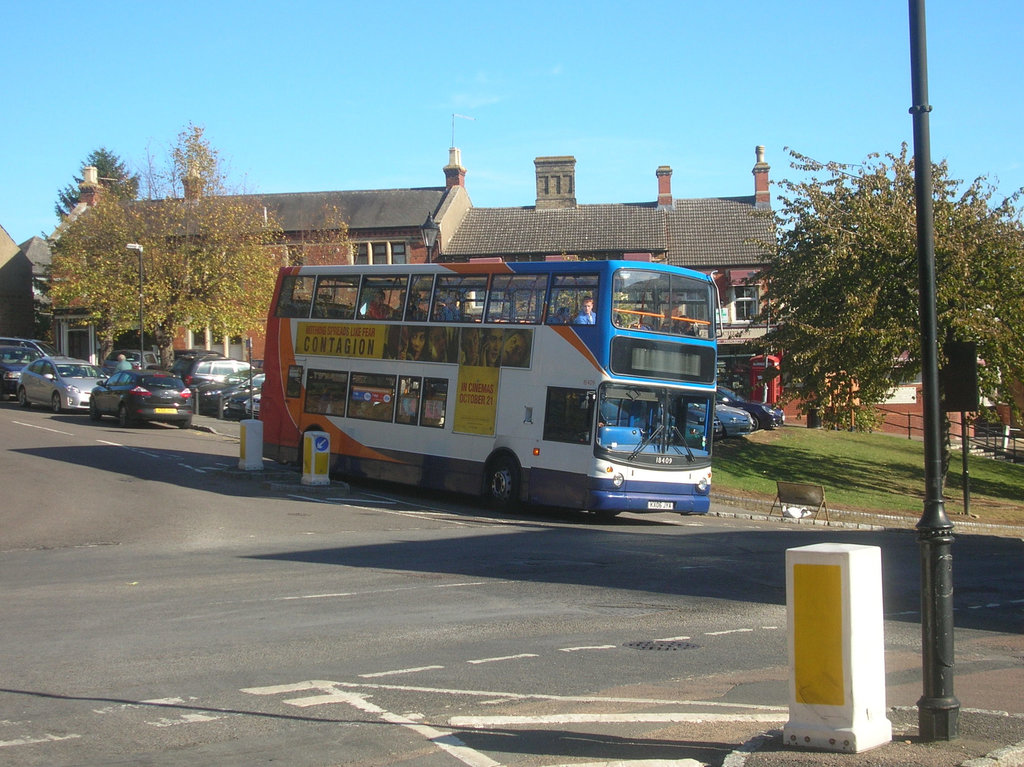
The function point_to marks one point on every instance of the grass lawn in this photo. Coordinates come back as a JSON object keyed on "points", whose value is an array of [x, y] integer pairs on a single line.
{"points": [[874, 473]]}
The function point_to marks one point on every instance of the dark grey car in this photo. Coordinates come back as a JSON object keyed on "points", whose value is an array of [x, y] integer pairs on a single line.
{"points": [[142, 395]]}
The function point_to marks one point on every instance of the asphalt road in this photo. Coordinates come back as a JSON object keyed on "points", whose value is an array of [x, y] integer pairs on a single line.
{"points": [[162, 608]]}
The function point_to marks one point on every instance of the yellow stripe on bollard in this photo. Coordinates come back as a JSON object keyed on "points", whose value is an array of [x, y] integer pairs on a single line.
{"points": [[818, 634]]}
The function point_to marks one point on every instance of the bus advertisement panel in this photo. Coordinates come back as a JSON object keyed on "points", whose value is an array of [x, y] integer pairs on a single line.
{"points": [[581, 384]]}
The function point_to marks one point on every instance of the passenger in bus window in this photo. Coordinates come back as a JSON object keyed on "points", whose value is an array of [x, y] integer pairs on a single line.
{"points": [[586, 315], [378, 308], [416, 311], [560, 317]]}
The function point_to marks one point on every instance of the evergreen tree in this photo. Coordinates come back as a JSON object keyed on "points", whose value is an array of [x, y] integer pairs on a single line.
{"points": [[115, 179]]}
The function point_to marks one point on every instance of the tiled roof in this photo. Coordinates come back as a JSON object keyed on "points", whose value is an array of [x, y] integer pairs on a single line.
{"points": [[577, 230], [697, 233], [717, 231], [371, 209]]}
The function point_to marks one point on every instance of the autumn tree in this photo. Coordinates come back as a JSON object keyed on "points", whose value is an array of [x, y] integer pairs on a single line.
{"points": [[207, 256], [842, 282], [115, 180]]}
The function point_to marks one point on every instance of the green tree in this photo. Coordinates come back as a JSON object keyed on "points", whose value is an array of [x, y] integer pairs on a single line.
{"points": [[115, 179], [842, 282]]}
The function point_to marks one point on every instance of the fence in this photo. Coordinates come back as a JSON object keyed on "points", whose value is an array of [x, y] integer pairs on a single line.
{"points": [[993, 440]]}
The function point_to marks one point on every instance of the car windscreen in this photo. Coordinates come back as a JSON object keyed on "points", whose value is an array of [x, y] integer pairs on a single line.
{"points": [[161, 382]]}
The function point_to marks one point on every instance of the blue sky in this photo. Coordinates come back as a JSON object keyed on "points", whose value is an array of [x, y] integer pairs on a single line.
{"points": [[311, 96]]}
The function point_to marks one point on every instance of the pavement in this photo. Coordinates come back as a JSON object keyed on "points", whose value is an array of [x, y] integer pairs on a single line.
{"points": [[986, 737]]}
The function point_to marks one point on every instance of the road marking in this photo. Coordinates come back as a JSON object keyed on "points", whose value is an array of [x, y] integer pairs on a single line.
{"points": [[129, 449], [32, 741], [380, 591], [399, 671], [672, 639], [446, 741], [588, 647], [503, 658], [42, 428], [481, 722], [729, 631], [186, 719]]}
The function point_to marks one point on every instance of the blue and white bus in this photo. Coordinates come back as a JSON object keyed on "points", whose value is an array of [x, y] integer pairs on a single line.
{"points": [[582, 384]]}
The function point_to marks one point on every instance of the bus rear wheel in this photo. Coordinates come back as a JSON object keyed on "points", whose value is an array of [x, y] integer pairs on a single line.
{"points": [[502, 487]]}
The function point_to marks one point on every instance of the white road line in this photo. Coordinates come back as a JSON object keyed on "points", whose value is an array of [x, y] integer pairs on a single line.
{"points": [[481, 722], [379, 591], [503, 658], [544, 696], [129, 449], [42, 428], [32, 741], [729, 631], [672, 639], [399, 671], [588, 647]]}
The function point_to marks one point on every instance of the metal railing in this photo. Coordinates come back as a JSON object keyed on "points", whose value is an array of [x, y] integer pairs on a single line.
{"points": [[993, 440]]}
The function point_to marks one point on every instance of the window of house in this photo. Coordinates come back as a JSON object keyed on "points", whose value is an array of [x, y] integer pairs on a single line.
{"points": [[381, 253], [745, 303]]}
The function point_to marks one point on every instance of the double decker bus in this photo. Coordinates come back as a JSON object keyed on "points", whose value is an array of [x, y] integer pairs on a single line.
{"points": [[581, 384]]}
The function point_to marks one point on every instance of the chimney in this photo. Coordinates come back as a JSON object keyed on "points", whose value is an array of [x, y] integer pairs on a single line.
{"points": [[761, 197], [454, 173], [193, 185], [556, 182], [89, 188], [664, 174]]}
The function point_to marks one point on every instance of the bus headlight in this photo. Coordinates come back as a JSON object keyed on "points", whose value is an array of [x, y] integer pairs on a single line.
{"points": [[618, 479], [703, 484]]}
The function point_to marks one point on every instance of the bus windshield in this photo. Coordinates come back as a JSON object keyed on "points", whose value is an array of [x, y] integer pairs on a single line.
{"points": [[653, 421]]}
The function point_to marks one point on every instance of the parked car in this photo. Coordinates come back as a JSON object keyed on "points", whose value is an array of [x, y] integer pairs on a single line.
{"points": [[60, 382], [33, 343], [204, 369], [735, 422], [13, 359], [766, 416], [149, 361], [142, 395], [244, 405], [212, 393]]}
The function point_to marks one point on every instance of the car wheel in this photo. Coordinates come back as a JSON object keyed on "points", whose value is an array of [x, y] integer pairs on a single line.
{"points": [[123, 419], [23, 398], [55, 403], [503, 483], [94, 411], [186, 424]]}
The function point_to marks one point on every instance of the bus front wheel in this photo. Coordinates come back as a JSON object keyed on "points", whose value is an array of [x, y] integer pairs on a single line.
{"points": [[503, 482]]}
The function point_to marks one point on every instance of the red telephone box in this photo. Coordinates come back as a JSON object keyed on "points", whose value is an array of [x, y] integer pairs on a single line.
{"points": [[765, 382]]}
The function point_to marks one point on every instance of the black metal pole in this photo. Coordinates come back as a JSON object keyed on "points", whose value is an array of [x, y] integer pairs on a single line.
{"points": [[938, 708], [965, 450]]}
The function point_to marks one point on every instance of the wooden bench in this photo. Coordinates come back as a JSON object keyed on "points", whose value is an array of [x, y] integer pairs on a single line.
{"points": [[800, 494]]}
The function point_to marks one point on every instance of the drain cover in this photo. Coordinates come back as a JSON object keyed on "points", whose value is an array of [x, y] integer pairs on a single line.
{"points": [[662, 645]]}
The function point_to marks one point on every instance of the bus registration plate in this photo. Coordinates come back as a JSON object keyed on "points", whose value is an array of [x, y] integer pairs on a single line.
{"points": [[660, 505]]}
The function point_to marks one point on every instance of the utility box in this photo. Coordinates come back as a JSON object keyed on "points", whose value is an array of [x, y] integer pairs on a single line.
{"points": [[836, 648]]}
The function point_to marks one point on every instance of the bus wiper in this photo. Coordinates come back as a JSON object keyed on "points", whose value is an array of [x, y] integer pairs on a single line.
{"points": [[646, 441], [682, 441]]}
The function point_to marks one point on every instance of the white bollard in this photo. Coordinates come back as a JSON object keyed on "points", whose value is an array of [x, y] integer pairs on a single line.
{"points": [[250, 446], [316, 458], [836, 648]]}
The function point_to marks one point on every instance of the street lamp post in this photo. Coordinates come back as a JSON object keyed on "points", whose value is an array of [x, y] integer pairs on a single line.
{"points": [[938, 708], [430, 230], [142, 344]]}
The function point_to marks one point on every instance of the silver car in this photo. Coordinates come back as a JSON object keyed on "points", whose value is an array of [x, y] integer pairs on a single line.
{"points": [[62, 383], [735, 422]]}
